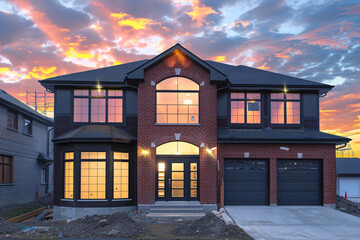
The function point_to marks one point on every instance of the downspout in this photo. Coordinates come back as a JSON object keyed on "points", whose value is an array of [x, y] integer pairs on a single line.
{"points": [[127, 84], [227, 86]]}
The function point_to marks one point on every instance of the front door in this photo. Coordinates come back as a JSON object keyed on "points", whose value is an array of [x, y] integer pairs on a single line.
{"points": [[177, 179]]}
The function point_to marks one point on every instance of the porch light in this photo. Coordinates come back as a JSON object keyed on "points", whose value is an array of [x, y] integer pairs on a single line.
{"points": [[144, 152], [285, 89], [98, 86]]}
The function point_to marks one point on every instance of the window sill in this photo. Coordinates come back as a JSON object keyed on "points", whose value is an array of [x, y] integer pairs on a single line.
{"points": [[26, 134], [121, 200], [12, 129], [177, 124], [6, 184], [67, 200]]}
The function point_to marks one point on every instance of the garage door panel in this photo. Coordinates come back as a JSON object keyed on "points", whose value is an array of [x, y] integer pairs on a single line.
{"points": [[299, 182], [350, 185], [246, 182]]}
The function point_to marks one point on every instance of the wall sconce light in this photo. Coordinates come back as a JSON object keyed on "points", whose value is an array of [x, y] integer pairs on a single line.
{"points": [[144, 152]]}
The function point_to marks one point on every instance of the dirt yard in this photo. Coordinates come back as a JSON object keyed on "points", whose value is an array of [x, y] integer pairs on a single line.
{"points": [[120, 225], [344, 205]]}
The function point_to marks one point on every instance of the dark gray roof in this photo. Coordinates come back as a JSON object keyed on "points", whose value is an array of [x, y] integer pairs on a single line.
{"points": [[215, 74], [248, 76], [227, 135], [239, 76], [347, 166], [15, 104], [96, 133], [113, 74]]}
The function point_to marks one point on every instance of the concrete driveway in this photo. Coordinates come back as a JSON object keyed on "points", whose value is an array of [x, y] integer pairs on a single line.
{"points": [[290, 223]]}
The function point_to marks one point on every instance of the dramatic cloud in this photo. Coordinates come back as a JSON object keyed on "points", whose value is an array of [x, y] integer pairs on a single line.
{"points": [[314, 40]]}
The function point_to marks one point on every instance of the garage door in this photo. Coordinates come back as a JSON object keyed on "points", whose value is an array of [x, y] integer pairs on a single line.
{"points": [[350, 185], [299, 182], [246, 182]]}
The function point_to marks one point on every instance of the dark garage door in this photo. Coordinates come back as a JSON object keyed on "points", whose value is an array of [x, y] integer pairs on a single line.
{"points": [[299, 182], [246, 182]]}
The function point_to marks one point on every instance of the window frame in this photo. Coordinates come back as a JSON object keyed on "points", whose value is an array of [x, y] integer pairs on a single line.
{"points": [[2, 163], [31, 126], [106, 161], [113, 177], [245, 124], [285, 124], [16, 120], [63, 173], [106, 97], [177, 91]]}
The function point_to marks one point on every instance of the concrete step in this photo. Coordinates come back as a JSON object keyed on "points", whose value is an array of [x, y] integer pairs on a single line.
{"points": [[176, 210], [172, 215]]}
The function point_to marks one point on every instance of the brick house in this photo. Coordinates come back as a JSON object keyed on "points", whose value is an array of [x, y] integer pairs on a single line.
{"points": [[25, 159], [177, 128]]}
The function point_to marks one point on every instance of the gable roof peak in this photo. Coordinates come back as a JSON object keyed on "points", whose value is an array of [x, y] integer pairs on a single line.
{"points": [[137, 74]]}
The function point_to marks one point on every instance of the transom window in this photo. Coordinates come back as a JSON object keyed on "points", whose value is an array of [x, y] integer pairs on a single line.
{"points": [[100, 105], [177, 148], [177, 101], [285, 108], [245, 108], [27, 126]]}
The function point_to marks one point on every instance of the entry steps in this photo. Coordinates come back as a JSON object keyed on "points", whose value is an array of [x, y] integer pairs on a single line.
{"points": [[176, 211]]}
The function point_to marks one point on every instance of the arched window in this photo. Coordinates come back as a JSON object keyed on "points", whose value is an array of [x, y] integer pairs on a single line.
{"points": [[177, 148], [177, 101]]}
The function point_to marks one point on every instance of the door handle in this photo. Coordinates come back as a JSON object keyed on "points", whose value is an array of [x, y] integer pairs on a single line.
{"points": [[169, 183]]}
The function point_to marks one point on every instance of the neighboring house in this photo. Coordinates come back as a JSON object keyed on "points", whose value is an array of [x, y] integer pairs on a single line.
{"points": [[25, 170], [176, 127], [348, 177]]}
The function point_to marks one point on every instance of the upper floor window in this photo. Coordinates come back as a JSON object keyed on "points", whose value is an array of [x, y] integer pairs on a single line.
{"points": [[27, 126], [12, 120], [100, 105], [177, 101], [285, 108], [245, 108]]}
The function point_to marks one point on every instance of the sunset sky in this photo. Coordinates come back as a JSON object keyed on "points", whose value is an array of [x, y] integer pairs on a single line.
{"points": [[314, 40]]}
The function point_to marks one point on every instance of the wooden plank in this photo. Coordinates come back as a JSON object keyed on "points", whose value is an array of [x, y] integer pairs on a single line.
{"points": [[26, 216]]}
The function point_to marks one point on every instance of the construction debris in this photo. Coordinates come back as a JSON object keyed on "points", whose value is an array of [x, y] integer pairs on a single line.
{"points": [[347, 206]]}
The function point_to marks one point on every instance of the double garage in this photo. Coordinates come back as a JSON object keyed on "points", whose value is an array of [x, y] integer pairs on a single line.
{"points": [[299, 182]]}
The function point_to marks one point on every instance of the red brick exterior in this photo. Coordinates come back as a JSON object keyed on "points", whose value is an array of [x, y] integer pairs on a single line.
{"points": [[149, 132], [326, 152], [210, 176]]}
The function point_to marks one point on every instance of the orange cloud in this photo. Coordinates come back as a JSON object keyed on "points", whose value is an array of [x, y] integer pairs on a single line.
{"points": [[243, 23], [219, 59], [43, 72], [264, 66], [136, 23], [71, 53], [200, 12]]}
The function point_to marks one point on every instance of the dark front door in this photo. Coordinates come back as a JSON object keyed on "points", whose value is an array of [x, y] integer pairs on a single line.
{"points": [[177, 179], [246, 182]]}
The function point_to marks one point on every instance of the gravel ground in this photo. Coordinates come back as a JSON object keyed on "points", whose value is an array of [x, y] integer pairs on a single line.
{"points": [[344, 205]]}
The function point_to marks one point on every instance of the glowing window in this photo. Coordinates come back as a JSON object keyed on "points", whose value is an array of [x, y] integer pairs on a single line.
{"points": [[121, 175], [285, 108], [94, 103], [177, 148], [177, 101], [93, 177], [245, 108], [69, 175]]}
